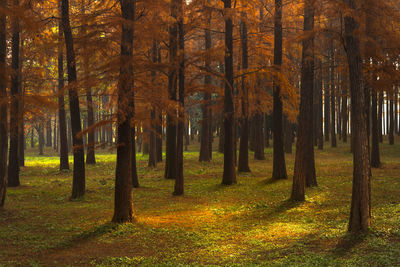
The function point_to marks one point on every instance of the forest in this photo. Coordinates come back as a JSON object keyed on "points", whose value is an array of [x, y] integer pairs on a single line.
{"points": [[199, 133]]}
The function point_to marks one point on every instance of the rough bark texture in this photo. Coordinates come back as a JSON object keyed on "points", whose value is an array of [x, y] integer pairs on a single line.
{"points": [[375, 154], [205, 153], [229, 175], [333, 95], [170, 149], [3, 106], [243, 163], [279, 165], [360, 213], [123, 210], [178, 188], [304, 167], [64, 163], [78, 183], [13, 163]]}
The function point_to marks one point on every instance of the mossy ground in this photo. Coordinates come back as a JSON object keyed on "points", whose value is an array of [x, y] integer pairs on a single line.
{"points": [[248, 224]]}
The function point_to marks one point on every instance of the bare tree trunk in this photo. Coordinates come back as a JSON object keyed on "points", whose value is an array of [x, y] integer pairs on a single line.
{"points": [[78, 183], [3, 105], [171, 145], [123, 210], [205, 152], [279, 164], [64, 163], [243, 164], [229, 175], [178, 188], [360, 214], [304, 168], [13, 163]]}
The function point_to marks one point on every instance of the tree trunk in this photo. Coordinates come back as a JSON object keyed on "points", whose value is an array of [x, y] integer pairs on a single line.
{"points": [[153, 150], [134, 175], [178, 188], [243, 164], [391, 117], [159, 137], [64, 163], [13, 163], [375, 154], [361, 197], [171, 149], [123, 210], [3, 105], [333, 95], [279, 165], [49, 131], [78, 183], [304, 167], [205, 152], [380, 117], [229, 175], [41, 138], [320, 106]]}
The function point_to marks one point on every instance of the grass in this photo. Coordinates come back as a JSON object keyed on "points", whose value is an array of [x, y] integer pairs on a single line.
{"points": [[248, 224]]}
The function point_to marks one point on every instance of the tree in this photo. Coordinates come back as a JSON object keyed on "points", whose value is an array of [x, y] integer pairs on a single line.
{"points": [[279, 165], [64, 162], [360, 213], [205, 153], [171, 145], [3, 105], [304, 167], [178, 188], [243, 164], [13, 163], [123, 210], [229, 174], [78, 182]]}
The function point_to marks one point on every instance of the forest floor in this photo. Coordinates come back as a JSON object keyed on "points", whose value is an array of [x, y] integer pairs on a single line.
{"points": [[247, 224]]}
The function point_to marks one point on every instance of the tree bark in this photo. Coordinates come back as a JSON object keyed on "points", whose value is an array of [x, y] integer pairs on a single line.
{"points": [[13, 163], [171, 142], [178, 188], [360, 213], [304, 167], [123, 210], [243, 164], [64, 163], [205, 152], [229, 174], [332, 87], [3, 105], [375, 154], [78, 183], [279, 165]]}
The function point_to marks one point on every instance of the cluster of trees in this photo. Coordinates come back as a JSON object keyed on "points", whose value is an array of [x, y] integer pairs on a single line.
{"points": [[139, 70]]}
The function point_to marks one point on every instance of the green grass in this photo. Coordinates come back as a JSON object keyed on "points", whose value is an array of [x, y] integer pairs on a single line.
{"points": [[248, 224]]}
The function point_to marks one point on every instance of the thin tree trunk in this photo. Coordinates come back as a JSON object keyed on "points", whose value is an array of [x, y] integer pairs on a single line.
{"points": [[123, 210], [64, 163], [391, 117], [3, 106], [178, 188], [78, 183], [380, 117], [206, 111], [333, 95], [13, 163], [171, 145], [279, 165], [229, 174], [243, 164]]}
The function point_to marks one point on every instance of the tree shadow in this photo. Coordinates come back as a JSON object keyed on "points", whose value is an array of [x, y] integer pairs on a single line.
{"points": [[93, 233], [347, 242]]}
